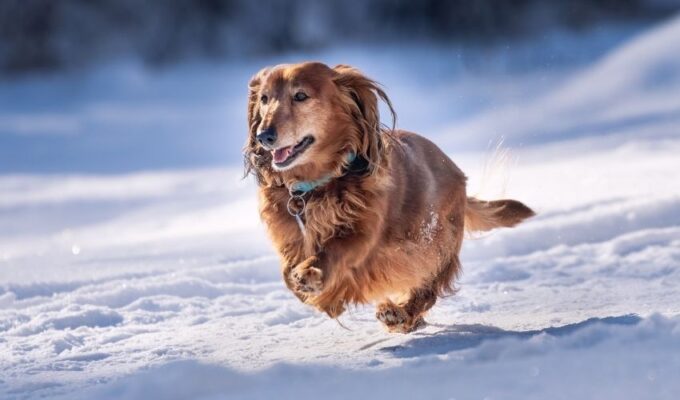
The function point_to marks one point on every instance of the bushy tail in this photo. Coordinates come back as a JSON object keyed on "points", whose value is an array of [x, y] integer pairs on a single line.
{"points": [[483, 215]]}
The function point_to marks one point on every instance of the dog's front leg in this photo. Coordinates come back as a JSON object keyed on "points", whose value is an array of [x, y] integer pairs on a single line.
{"points": [[306, 278], [306, 281], [313, 275], [320, 280]]}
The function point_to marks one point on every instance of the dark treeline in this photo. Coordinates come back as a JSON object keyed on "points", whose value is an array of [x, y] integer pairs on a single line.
{"points": [[53, 34]]}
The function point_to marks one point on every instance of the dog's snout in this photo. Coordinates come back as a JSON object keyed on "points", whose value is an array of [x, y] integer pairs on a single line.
{"points": [[267, 137]]}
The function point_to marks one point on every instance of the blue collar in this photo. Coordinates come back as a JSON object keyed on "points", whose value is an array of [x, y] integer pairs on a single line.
{"points": [[303, 187]]}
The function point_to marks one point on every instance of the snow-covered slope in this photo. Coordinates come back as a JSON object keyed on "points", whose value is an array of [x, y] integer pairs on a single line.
{"points": [[163, 284], [630, 92]]}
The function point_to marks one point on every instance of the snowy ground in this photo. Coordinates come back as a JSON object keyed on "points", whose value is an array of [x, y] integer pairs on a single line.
{"points": [[162, 284]]}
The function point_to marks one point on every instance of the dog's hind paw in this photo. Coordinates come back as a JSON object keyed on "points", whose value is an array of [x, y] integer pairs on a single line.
{"points": [[306, 278], [396, 319]]}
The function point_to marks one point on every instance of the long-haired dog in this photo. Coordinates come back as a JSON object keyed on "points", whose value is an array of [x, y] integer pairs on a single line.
{"points": [[358, 212]]}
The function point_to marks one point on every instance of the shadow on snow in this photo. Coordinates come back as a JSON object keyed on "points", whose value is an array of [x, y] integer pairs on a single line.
{"points": [[461, 337]]}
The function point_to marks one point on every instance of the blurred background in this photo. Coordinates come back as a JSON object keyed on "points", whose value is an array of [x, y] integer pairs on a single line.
{"points": [[110, 86]]}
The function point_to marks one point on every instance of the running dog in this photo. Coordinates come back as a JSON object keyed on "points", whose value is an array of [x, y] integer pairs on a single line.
{"points": [[359, 212]]}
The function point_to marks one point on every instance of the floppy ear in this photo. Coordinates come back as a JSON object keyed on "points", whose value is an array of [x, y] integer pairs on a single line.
{"points": [[255, 159], [361, 95]]}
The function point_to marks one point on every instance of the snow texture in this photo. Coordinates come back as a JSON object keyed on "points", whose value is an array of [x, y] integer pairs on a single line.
{"points": [[162, 283]]}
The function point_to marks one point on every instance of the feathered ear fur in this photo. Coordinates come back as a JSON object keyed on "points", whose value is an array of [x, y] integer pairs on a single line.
{"points": [[360, 95], [255, 159]]}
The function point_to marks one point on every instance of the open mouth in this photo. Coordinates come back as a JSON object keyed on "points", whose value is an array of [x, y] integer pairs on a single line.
{"points": [[286, 155]]}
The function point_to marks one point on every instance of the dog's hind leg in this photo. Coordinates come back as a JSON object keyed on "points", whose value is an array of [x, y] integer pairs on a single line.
{"points": [[407, 317]]}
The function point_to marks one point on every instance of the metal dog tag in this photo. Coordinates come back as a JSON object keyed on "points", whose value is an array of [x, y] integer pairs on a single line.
{"points": [[297, 213]]}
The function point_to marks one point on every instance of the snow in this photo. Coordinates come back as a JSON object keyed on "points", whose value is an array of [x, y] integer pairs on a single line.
{"points": [[478, 363], [159, 282]]}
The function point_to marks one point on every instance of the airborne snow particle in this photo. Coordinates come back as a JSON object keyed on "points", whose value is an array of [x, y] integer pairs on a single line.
{"points": [[75, 249]]}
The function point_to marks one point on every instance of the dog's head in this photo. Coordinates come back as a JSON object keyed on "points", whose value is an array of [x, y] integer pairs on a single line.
{"points": [[304, 119]]}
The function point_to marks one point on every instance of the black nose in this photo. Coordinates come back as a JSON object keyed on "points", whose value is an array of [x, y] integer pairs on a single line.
{"points": [[267, 137]]}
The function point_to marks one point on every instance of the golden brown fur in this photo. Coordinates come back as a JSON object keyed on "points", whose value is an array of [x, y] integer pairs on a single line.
{"points": [[389, 234]]}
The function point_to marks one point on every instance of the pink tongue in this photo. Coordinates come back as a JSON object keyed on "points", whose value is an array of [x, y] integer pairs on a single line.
{"points": [[280, 155]]}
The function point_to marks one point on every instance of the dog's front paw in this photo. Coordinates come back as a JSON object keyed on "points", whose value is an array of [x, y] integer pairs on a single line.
{"points": [[306, 278], [396, 319]]}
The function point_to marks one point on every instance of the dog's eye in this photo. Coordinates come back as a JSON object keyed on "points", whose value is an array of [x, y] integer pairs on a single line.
{"points": [[264, 99], [300, 96]]}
